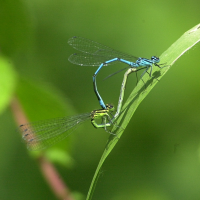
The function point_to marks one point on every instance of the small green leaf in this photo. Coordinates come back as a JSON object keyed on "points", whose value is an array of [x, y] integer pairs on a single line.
{"points": [[170, 56], [40, 102], [7, 82], [59, 156]]}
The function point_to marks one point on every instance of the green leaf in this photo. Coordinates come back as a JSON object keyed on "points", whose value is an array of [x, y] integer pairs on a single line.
{"points": [[41, 101], [60, 157], [170, 56], [7, 82]]}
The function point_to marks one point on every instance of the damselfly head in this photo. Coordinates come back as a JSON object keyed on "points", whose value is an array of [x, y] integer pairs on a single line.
{"points": [[110, 107], [155, 59]]}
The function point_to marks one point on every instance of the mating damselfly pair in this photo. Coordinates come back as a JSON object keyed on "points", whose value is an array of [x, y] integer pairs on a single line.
{"points": [[41, 134]]}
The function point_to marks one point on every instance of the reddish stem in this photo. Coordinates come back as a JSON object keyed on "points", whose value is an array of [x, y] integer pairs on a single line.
{"points": [[48, 170]]}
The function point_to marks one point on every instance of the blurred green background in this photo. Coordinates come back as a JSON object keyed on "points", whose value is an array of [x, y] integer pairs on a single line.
{"points": [[158, 157]]}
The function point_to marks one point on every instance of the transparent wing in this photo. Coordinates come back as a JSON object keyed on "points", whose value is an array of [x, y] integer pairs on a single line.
{"points": [[85, 59], [41, 134], [93, 53]]}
